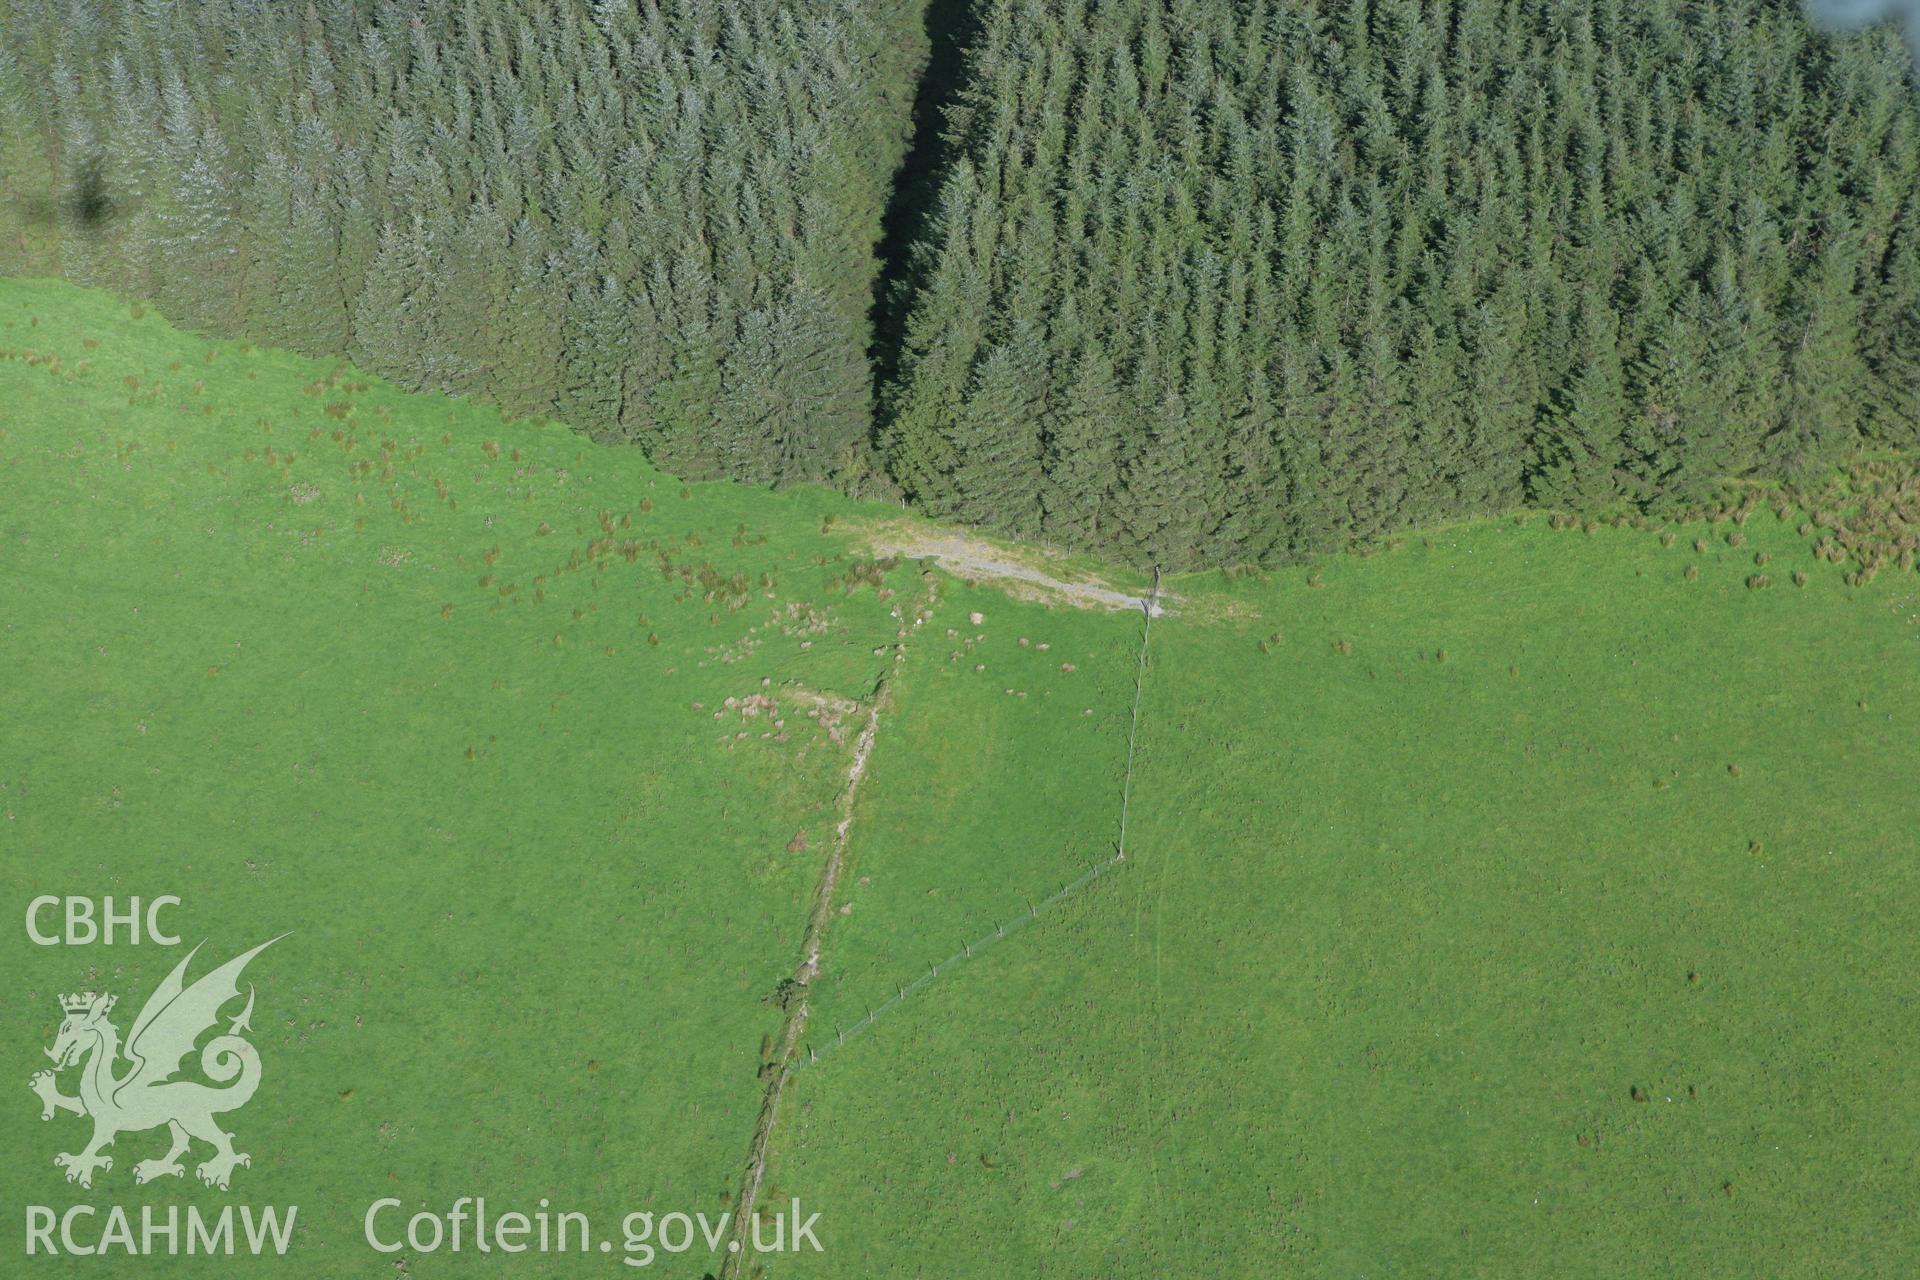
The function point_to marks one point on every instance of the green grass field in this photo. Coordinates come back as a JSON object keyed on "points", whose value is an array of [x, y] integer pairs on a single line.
{"points": [[323, 657], [1491, 965], [1509, 903]]}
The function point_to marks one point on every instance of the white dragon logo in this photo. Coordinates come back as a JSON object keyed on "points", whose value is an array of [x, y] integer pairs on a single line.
{"points": [[146, 1095]]}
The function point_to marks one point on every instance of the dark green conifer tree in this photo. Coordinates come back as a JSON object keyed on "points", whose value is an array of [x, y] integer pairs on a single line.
{"points": [[1895, 350], [1578, 442], [1078, 452], [997, 476], [1826, 378]]}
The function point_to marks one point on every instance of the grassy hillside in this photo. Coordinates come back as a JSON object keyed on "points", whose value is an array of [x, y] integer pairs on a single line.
{"points": [[446, 697], [1518, 900], [1508, 903]]}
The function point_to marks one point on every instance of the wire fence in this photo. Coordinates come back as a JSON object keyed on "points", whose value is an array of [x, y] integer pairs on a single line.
{"points": [[934, 970]]}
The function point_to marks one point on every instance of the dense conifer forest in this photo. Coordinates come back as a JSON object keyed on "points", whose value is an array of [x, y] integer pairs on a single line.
{"points": [[1179, 281]]}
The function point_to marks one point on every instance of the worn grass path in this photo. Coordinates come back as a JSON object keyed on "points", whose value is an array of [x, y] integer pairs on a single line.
{"points": [[793, 1030], [969, 557]]}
